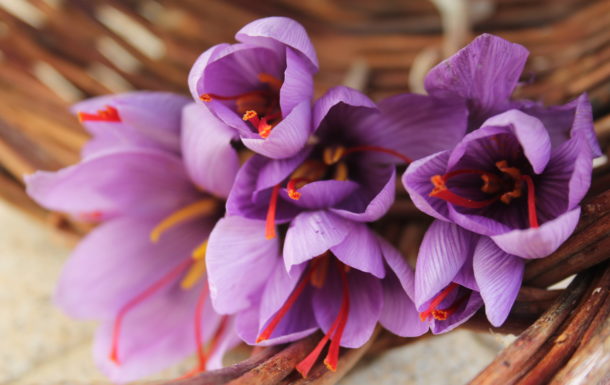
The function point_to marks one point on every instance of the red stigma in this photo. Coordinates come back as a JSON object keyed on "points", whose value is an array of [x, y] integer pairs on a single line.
{"points": [[336, 330], [531, 201], [152, 289], [384, 150], [440, 314], [201, 356], [270, 220], [110, 114]]}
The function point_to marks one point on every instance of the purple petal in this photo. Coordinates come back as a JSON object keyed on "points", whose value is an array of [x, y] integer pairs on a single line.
{"points": [[134, 182], [528, 130], [370, 209], [323, 194], [247, 327], [360, 250], [154, 335], [298, 82], [281, 30], [539, 242], [211, 161], [499, 276], [251, 192], [288, 137], [443, 251], [312, 233], [416, 181], [562, 122], [365, 304], [399, 314], [85, 289], [566, 179], [336, 96], [299, 318], [484, 73], [415, 125], [239, 260]]}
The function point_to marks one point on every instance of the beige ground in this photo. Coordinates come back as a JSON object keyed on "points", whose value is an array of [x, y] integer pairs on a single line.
{"points": [[39, 345]]}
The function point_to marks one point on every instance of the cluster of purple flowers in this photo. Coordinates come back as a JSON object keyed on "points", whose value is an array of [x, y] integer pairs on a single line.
{"points": [[245, 214]]}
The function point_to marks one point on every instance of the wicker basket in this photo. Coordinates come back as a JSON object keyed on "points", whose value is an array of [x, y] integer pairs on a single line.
{"points": [[54, 53]]}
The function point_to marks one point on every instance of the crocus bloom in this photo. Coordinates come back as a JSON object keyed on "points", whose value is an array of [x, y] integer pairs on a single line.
{"points": [[485, 73], [349, 167], [326, 193], [262, 86], [357, 281], [141, 272], [513, 193]]}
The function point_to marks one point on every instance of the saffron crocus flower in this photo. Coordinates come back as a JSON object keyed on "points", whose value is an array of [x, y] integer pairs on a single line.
{"points": [[262, 86], [141, 272], [513, 193], [356, 282], [349, 169], [485, 74]]}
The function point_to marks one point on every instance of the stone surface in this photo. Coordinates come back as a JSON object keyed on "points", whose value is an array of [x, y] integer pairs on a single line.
{"points": [[41, 345]]}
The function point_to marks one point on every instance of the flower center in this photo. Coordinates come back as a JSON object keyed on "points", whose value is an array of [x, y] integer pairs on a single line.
{"points": [[110, 114], [442, 314], [259, 107], [332, 165], [315, 275], [503, 187]]}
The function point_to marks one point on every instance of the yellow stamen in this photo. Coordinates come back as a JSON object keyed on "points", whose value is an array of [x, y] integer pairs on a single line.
{"points": [[250, 114], [332, 155], [341, 171], [197, 270], [200, 208]]}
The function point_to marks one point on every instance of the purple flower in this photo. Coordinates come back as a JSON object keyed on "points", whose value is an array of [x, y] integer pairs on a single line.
{"points": [[514, 194], [485, 73], [349, 167], [262, 86], [344, 290], [141, 272]]}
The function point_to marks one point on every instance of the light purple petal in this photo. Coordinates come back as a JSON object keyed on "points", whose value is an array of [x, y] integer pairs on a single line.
{"points": [[443, 251], [539, 242], [298, 82], [415, 125], [499, 276], [399, 314], [211, 161], [360, 250], [196, 78], [239, 260], [529, 131], [227, 341], [417, 182], [154, 335], [148, 120], [312, 233], [288, 137], [134, 182], [485, 73], [323, 194], [96, 282], [339, 95], [365, 300], [281, 30], [376, 207]]}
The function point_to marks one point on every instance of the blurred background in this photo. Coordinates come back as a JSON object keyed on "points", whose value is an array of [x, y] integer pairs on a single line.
{"points": [[56, 52]]}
